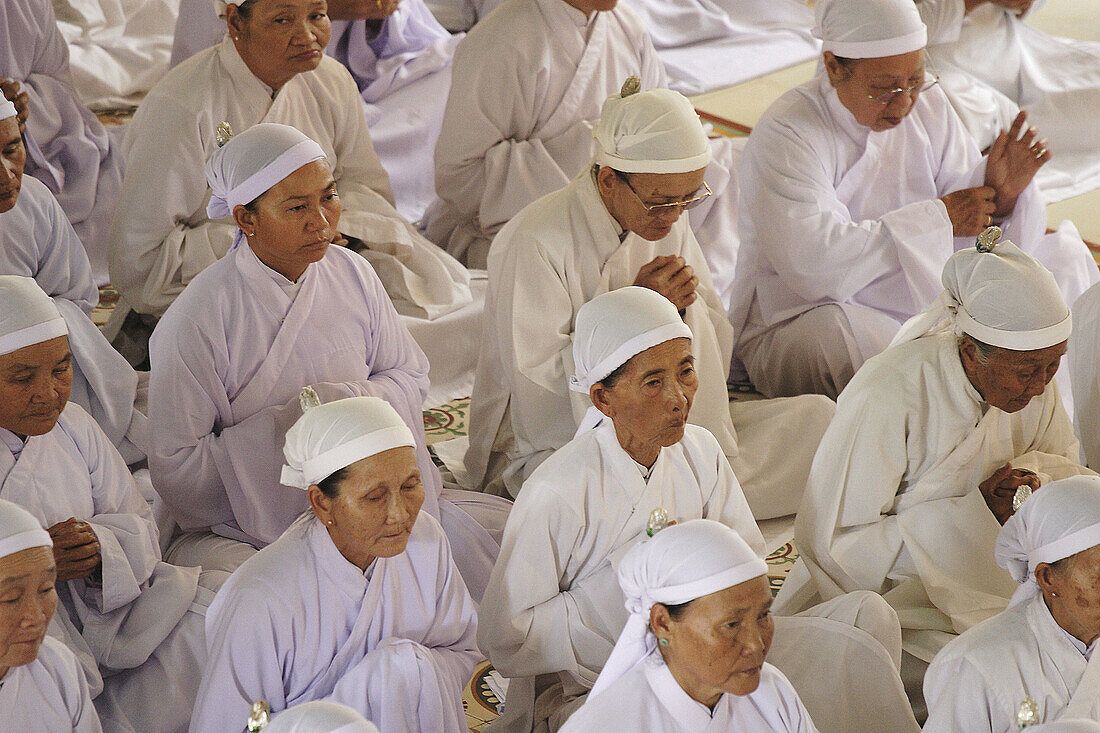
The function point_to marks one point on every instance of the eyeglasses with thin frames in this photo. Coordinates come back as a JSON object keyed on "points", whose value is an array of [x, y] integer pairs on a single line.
{"points": [[884, 98], [658, 209]]}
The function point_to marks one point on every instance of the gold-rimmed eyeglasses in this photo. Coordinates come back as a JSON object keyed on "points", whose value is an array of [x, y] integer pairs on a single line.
{"points": [[658, 209], [884, 98]]}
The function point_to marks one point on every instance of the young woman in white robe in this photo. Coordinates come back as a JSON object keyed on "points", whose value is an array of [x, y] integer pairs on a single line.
{"points": [[1041, 649], [358, 602], [597, 235], [134, 622], [36, 240], [163, 235], [857, 186], [282, 310], [41, 684], [691, 656]]}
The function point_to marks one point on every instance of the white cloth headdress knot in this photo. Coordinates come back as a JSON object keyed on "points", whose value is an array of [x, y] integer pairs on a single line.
{"points": [[1060, 519], [320, 716], [655, 131], [1003, 298], [251, 163], [19, 530], [864, 29], [335, 435], [27, 315], [679, 564], [7, 108]]}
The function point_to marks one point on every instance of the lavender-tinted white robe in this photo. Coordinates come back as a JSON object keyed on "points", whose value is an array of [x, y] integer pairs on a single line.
{"points": [[298, 622], [67, 147], [49, 694], [37, 241]]}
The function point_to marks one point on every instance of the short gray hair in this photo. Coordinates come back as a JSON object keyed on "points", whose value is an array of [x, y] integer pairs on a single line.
{"points": [[983, 350]]}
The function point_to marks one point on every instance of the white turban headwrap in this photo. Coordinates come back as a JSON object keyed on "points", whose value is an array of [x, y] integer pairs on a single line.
{"points": [[320, 716], [1003, 298], [655, 131], [19, 530], [1060, 519], [864, 29], [7, 108], [27, 315], [251, 163], [336, 434], [679, 564]]}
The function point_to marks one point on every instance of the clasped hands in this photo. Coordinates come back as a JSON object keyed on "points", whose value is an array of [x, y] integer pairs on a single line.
{"points": [[75, 549], [672, 277], [1000, 489]]}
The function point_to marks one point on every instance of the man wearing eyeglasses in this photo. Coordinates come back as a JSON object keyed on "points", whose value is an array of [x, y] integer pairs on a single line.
{"points": [[622, 221], [856, 187]]}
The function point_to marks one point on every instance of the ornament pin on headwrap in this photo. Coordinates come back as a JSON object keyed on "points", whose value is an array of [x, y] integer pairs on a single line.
{"points": [[658, 520], [1023, 493], [259, 716], [308, 398], [988, 239], [632, 85], [1028, 714], [222, 133]]}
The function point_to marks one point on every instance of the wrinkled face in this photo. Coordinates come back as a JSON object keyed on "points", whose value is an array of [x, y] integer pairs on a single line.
{"points": [[1009, 380], [1076, 607], [374, 511], [35, 382], [27, 603], [626, 200], [862, 78], [294, 221], [14, 157], [280, 38], [720, 641]]}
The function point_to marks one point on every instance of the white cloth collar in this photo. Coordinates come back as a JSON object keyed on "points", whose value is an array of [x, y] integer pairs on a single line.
{"points": [[13, 442], [692, 714]]}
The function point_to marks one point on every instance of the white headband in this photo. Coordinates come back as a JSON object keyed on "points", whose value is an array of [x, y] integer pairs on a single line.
{"points": [[7, 108], [222, 204], [20, 530], [27, 315], [655, 131], [862, 29]]}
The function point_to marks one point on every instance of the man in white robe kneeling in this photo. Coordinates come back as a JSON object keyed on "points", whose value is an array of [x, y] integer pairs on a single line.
{"points": [[622, 221]]}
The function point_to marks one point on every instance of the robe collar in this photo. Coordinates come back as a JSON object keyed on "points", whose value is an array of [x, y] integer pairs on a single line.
{"points": [[350, 580], [563, 11], [619, 458], [845, 120], [607, 235], [953, 364], [251, 91], [275, 292], [1041, 616], [12, 441], [692, 714]]}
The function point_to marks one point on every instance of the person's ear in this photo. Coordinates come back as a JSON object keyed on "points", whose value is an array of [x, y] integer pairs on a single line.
{"points": [[234, 21], [246, 220], [836, 71], [1045, 577], [605, 180], [321, 505], [660, 622], [600, 396]]}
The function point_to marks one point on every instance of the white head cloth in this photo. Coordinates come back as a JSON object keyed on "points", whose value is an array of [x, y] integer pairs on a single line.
{"points": [[1060, 519], [1077, 725], [7, 108], [320, 716], [679, 564], [335, 435], [250, 163], [655, 131], [1003, 298], [866, 29], [19, 530], [27, 315]]}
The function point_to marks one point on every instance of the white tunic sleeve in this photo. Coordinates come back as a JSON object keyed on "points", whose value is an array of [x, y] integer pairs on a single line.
{"points": [[958, 699], [63, 267], [727, 504], [944, 19]]}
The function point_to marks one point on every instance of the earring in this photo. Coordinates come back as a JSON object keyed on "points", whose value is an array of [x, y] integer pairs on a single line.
{"points": [[1053, 594], [236, 38], [663, 642], [251, 234], [330, 522]]}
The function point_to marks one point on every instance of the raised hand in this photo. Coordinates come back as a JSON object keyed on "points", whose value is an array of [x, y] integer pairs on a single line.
{"points": [[1012, 163], [75, 549], [14, 92], [670, 276], [970, 210]]}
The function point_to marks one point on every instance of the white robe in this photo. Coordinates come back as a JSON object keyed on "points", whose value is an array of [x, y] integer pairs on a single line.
{"points": [[892, 504], [649, 698], [142, 610], [833, 213], [992, 64], [1084, 347], [37, 241], [976, 684], [162, 235], [551, 259], [67, 147], [236, 348], [49, 694], [298, 622]]}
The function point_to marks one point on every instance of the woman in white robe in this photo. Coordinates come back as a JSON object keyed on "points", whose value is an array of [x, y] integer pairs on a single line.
{"points": [[164, 236], [691, 656], [358, 602], [41, 684], [134, 622], [596, 235], [279, 312], [1041, 649], [857, 190]]}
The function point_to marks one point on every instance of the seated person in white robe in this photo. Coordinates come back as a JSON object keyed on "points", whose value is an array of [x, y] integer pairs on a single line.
{"points": [[284, 309], [36, 240], [992, 63], [691, 656], [359, 602], [620, 222], [316, 716], [41, 684], [930, 442], [1084, 346], [134, 622], [552, 610], [1041, 648], [265, 70], [67, 147], [856, 188]]}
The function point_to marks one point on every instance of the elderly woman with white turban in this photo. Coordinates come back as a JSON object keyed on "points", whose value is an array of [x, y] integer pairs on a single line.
{"points": [[692, 654], [622, 221], [856, 188], [1039, 650], [359, 601], [282, 310], [41, 684], [134, 622], [931, 441]]}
